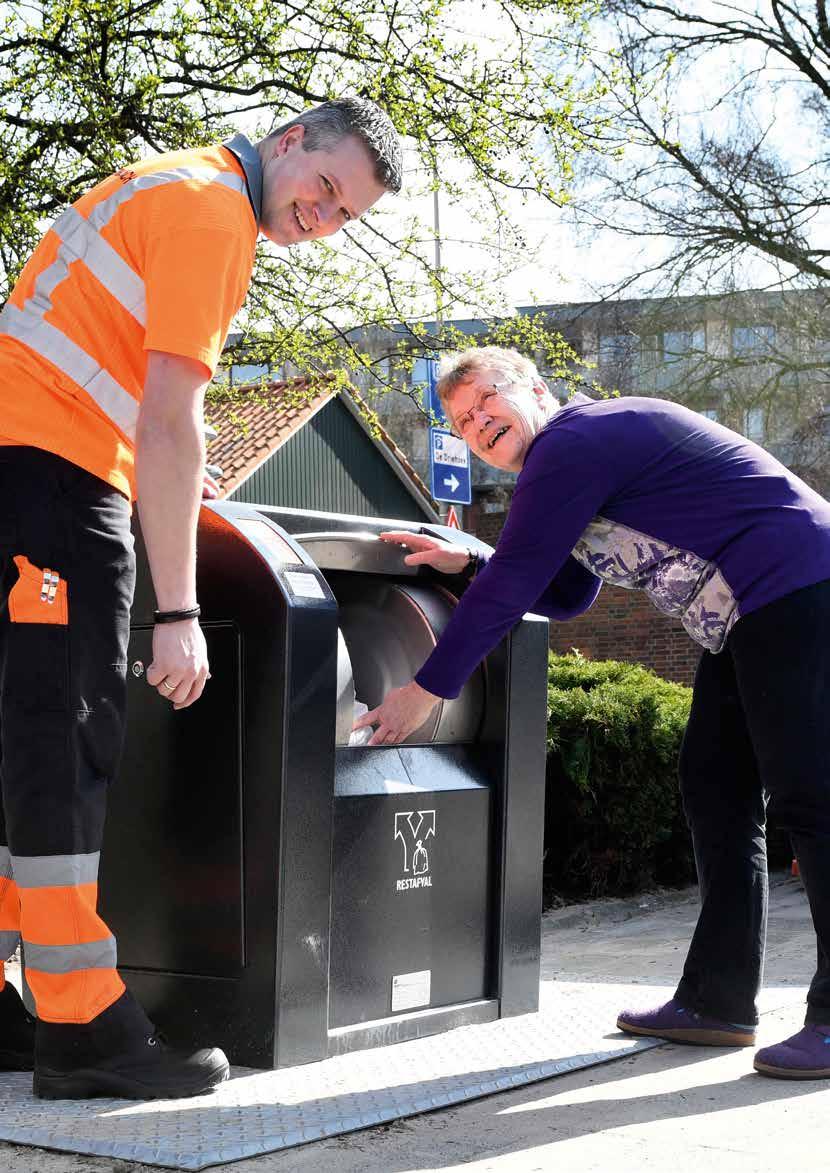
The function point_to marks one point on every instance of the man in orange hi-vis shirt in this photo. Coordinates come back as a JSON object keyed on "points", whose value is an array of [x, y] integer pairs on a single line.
{"points": [[107, 344]]}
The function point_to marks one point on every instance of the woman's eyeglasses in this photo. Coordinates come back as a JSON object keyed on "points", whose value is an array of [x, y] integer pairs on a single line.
{"points": [[483, 402]]}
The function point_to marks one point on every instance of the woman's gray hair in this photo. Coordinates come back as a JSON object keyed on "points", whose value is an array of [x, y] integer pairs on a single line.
{"points": [[329, 123], [457, 369]]}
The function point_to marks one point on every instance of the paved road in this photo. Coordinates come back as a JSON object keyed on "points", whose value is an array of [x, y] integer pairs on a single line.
{"points": [[669, 1110]]}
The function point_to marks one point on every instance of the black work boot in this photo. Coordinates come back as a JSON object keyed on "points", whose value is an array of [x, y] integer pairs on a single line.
{"points": [[119, 1054], [17, 1032]]}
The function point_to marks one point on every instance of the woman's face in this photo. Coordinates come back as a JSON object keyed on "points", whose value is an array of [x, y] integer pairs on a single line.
{"points": [[498, 415]]}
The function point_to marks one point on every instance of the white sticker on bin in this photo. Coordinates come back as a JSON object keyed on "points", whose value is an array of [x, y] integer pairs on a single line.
{"points": [[304, 585], [410, 990]]}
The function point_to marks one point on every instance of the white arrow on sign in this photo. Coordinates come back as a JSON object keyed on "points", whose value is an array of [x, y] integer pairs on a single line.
{"points": [[452, 482]]}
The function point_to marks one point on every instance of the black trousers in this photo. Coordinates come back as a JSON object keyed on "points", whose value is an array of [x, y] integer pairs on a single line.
{"points": [[67, 574], [758, 734]]}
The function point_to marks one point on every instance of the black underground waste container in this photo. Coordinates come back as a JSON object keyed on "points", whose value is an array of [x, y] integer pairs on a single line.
{"points": [[282, 894]]}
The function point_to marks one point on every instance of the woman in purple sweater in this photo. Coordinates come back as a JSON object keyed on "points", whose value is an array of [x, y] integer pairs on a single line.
{"points": [[645, 493]]}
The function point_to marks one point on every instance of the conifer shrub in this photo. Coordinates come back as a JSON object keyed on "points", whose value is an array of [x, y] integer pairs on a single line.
{"points": [[614, 822]]}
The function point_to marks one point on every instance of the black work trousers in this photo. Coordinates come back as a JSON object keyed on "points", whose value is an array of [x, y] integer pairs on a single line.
{"points": [[758, 733], [67, 573]]}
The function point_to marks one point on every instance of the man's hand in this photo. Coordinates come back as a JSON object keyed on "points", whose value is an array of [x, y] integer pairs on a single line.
{"points": [[180, 663], [210, 488], [442, 556], [402, 712], [170, 472]]}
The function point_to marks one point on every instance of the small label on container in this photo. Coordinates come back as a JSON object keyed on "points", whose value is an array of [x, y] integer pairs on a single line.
{"points": [[410, 990], [267, 536], [303, 585]]}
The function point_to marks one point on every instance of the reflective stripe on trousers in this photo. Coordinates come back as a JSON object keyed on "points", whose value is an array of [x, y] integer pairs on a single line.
{"points": [[69, 952], [81, 240], [9, 911], [57, 892]]}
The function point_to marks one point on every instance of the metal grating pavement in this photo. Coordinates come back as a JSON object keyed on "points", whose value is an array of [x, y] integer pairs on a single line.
{"points": [[262, 1112]]}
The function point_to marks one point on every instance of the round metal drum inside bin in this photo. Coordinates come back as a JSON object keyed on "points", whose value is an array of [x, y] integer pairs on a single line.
{"points": [[388, 630]]}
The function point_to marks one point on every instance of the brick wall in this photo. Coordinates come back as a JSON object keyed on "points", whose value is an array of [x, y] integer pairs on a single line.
{"points": [[621, 625], [624, 625], [485, 526]]}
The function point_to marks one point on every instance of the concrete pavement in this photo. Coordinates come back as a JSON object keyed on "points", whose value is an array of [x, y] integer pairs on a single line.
{"points": [[670, 1110]]}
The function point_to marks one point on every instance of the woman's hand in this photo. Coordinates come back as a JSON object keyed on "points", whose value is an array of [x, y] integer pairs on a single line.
{"points": [[402, 712], [445, 557]]}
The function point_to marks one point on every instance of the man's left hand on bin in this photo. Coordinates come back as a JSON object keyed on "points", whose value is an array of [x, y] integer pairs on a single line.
{"points": [[179, 669], [210, 488], [402, 712], [170, 469]]}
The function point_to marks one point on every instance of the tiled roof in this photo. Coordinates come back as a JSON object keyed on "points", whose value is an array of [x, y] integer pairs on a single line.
{"points": [[254, 422]]}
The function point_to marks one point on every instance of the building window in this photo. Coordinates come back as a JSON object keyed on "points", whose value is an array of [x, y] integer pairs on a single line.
{"points": [[420, 373], [754, 424], [618, 349], [680, 344], [244, 373], [752, 340]]}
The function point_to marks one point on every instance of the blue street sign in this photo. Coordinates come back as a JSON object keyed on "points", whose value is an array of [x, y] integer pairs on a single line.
{"points": [[449, 467], [432, 402]]}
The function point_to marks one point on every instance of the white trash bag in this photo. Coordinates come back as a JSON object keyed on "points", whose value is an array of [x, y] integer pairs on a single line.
{"points": [[360, 736]]}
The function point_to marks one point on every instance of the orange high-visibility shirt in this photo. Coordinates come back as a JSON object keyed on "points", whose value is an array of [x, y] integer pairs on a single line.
{"points": [[156, 257]]}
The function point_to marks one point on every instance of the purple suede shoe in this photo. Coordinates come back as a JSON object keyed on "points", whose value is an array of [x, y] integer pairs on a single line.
{"points": [[804, 1056], [673, 1021]]}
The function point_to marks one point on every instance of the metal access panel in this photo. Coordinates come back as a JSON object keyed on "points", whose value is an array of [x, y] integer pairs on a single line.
{"points": [[410, 896], [172, 888]]}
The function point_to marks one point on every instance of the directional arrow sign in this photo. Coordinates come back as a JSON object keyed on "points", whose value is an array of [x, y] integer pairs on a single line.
{"points": [[449, 465]]}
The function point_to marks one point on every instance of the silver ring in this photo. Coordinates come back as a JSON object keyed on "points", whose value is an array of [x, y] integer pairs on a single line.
{"points": [[168, 687]]}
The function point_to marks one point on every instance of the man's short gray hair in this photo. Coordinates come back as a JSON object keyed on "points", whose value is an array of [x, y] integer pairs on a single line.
{"points": [[329, 123]]}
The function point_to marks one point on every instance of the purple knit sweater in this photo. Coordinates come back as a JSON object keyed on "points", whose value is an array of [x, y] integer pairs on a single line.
{"points": [[641, 493]]}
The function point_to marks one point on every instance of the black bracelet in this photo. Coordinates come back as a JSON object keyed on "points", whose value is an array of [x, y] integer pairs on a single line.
{"points": [[176, 616], [469, 572]]}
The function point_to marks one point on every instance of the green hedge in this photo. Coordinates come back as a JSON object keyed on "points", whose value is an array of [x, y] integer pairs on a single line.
{"points": [[613, 817]]}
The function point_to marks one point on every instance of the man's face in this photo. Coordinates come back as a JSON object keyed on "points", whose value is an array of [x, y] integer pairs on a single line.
{"points": [[310, 194], [489, 423]]}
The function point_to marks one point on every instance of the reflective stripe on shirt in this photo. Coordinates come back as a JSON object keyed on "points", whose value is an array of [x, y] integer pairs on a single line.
{"points": [[81, 241], [52, 344]]}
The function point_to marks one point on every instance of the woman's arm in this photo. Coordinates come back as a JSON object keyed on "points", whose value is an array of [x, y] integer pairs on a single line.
{"points": [[571, 592], [562, 487]]}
